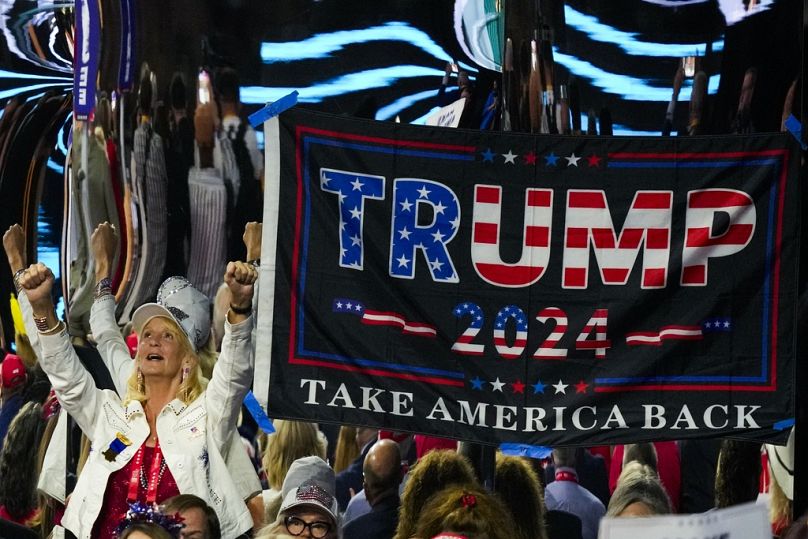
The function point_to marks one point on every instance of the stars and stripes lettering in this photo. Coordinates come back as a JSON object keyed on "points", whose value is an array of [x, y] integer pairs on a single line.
{"points": [[511, 312], [589, 223], [408, 236], [666, 333], [548, 349], [351, 189], [383, 318], [487, 234], [705, 240], [596, 325], [464, 343]]}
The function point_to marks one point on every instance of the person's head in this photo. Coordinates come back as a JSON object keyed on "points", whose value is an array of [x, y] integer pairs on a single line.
{"points": [[227, 86], [365, 435], [170, 335], [199, 519], [309, 507], [143, 521], [644, 453], [564, 457], [737, 474], [467, 511], [18, 461], [797, 530], [382, 470], [145, 530], [432, 473], [518, 486], [178, 93], [346, 450], [639, 493], [291, 440], [12, 375]]}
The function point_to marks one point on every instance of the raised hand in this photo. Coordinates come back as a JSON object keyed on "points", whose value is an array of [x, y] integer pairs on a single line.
{"points": [[240, 278], [252, 240], [37, 282], [14, 245], [103, 242]]}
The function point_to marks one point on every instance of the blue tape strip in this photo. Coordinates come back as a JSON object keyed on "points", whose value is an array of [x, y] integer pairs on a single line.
{"points": [[258, 413], [273, 109], [524, 450], [795, 128], [784, 424]]}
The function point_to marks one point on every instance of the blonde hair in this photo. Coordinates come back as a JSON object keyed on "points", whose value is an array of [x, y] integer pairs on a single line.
{"points": [[347, 450], [290, 441], [190, 389], [780, 507]]}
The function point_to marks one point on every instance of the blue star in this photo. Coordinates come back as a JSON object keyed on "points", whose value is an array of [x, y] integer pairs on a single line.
{"points": [[488, 156], [551, 159], [476, 383], [538, 387]]}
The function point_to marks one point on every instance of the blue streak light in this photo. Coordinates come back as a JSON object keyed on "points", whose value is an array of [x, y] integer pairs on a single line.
{"points": [[7, 94], [389, 111], [623, 85], [323, 45], [14, 75], [628, 40], [352, 82]]}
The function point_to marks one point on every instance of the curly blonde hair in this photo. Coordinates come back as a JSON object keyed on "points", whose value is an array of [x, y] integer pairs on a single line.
{"points": [[190, 389]]}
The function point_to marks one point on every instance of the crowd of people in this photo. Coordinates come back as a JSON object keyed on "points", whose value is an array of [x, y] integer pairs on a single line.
{"points": [[161, 446]]}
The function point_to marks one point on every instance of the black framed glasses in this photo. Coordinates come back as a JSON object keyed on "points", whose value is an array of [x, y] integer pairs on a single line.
{"points": [[296, 526]]}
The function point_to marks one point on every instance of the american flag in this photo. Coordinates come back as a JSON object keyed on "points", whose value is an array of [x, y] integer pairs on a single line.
{"points": [[383, 318]]}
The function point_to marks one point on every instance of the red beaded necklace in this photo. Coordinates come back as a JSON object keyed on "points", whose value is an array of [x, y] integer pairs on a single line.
{"points": [[137, 479]]}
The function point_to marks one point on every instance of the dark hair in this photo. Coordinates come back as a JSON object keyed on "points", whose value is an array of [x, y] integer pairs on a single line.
{"points": [[465, 510], [18, 461], [737, 475], [184, 502], [155, 531], [227, 85], [564, 457], [644, 453], [177, 91], [798, 530], [518, 486]]}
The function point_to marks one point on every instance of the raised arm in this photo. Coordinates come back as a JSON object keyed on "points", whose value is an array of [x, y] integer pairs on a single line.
{"points": [[232, 375], [14, 245], [111, 345], [74, 386]]}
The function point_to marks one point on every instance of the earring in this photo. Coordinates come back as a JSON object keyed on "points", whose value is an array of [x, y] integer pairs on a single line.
{"points": [[141, 387], [185, 370]]}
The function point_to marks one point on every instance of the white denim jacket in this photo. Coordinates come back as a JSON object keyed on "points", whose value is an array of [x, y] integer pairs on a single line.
{"points": [[192, 437]]}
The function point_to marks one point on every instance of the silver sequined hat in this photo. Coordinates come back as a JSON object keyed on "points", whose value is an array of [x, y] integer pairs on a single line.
{"points": [[188, 307]]}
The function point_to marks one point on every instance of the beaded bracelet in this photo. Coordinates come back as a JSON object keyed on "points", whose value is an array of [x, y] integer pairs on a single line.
{"points": [[103, 288], [17, 275]]}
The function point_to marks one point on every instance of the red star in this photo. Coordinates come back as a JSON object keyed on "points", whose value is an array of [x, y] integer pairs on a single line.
{"points": [[518, 387], [530, 158], [581, 386], [593, 160]]}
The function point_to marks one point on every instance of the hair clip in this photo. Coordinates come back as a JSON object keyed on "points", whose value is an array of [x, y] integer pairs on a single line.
{"points": [[469, 501]]}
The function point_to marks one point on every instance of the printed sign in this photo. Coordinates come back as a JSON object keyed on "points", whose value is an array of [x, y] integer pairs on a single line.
{"points": [[531, 289], [748, 521]]}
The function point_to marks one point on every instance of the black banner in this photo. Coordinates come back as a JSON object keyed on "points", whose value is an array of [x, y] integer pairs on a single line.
{"points": [[536, 289]]}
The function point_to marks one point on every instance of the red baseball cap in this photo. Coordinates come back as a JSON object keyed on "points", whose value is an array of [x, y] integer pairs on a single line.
{"points": [[13, 371]]}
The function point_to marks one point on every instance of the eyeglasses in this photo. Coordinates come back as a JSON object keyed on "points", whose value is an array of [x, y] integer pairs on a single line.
{"points": [[297, 526]]}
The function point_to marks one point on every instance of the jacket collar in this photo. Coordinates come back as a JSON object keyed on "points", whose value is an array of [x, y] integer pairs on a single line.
{"points": [[135, 407]]}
